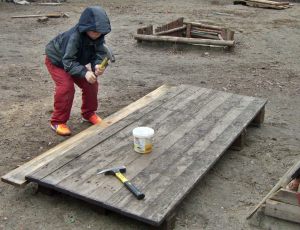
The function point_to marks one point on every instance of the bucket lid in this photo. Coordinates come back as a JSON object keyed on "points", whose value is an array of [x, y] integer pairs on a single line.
{"points": [[143, 132]]}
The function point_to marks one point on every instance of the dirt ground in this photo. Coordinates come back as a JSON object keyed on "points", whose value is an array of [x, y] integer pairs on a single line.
{"points": [[265, 64]]}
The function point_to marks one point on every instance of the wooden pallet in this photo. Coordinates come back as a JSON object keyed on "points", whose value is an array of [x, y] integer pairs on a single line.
{"points": [[292, 173], [264, 4], [193, 128], [183, 35], [284, 204]]}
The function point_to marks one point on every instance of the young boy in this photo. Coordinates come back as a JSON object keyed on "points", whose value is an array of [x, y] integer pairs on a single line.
{"points": [[66, 57]]}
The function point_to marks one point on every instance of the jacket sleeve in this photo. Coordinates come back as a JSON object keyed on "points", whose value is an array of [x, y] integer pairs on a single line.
{"points": [[71, 65]]}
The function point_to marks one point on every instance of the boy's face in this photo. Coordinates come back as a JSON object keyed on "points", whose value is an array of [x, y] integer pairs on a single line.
{"points": [[93, 35]]}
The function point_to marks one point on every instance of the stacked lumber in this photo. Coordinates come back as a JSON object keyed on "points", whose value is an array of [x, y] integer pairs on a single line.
{"points": [[200, 30], [174, 28], [284, 182], [264, 4], [188, 32], [285, 203]]}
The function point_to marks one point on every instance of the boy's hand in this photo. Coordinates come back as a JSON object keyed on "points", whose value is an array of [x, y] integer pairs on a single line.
{"points": [[98, 71], [90, 77]]}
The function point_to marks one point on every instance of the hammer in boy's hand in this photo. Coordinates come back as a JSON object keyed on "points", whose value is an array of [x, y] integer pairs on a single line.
{"points": [[118, 173], [109, 56]]}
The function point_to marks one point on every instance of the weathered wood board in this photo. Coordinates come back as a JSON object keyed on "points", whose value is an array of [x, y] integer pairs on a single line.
{"points": [[193, 128], [283, 211], [284, 204], [287, 197], [17, 176], [280, 184]]}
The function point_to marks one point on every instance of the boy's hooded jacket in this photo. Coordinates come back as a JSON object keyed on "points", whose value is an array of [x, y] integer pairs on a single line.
{"points": [[74, 49]]}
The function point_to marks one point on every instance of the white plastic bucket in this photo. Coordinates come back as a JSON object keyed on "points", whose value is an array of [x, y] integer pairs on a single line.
{"points": [[143, 137]]}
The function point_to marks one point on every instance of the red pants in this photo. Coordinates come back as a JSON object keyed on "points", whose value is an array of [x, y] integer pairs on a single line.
{"points": [[64, 94]]}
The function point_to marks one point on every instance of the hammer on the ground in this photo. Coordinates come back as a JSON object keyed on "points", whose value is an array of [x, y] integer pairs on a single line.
{"points": [[118, 172]]}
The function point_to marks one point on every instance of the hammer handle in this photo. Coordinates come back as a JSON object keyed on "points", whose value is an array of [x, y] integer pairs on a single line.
{"points": [[103, 63], [130, 186]]}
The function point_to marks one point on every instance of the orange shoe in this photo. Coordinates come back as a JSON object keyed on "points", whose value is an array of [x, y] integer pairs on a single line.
{"points": [[94, 119], [61, 129]]}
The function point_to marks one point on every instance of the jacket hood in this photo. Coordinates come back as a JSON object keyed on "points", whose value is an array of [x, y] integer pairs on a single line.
{"points": [[94, 18]]}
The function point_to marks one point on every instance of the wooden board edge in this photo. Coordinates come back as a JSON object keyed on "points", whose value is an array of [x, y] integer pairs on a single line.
{"points": [[16, 177], [286, 177], [286, 196], [282, 211]]}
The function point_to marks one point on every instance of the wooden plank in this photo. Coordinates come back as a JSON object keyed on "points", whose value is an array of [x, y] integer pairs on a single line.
{"points": [[268, 2], [145, 30], [183, 40], [287, 197], [212, 32], [203, 35], [282, 182], [262, 4], [239, 143], [170, 26], [165, 32], [188, 30], [39, 15], [169, 223], [194, 127], [152, 188], [17, 176], [283, 211], [127, 150], [201, 25], [190, 176], [94, 139], [259, 119]]}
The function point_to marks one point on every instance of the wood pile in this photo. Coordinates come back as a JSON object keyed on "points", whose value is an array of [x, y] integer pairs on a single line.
{"points": [[188, 32], [285, 203], [264, 4], [290, 182]]}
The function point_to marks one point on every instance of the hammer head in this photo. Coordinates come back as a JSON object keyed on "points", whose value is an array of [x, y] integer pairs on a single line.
{"points": [[110, 54], [113, 171]]}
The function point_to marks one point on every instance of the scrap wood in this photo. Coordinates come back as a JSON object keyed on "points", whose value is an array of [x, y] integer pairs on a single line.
{"points": [[283, 211], [282, 183], [43, 15], [270, 2], [50, 3], [201, 25], [184, 40], [188, 32], [171, 30], [264, 4]]}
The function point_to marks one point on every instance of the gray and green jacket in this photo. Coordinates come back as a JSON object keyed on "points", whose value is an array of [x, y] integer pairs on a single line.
{"points": [[74, 49]]}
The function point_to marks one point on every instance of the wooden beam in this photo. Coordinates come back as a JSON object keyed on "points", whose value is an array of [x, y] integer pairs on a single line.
{"points": [[259, 119], [188, 30], [285, 179], [145, 30], [239, 143], [283, 211], [287, 197], [204, 25], [39, 15], [171, 30], [184, 40], [17, 176]]}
